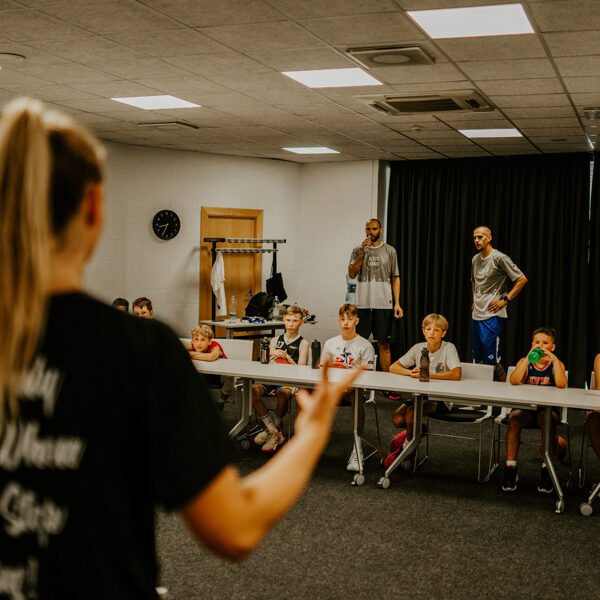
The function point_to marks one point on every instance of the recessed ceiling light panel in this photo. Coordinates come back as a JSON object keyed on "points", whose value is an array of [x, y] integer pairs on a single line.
{"points": [[473, 21], [490, 133], [156, 102], [312, 150], [329, 78]]}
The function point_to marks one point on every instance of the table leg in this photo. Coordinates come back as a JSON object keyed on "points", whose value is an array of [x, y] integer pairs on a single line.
{"points": [[229, 333], [409, 447], [560, 503], [246, 408]]}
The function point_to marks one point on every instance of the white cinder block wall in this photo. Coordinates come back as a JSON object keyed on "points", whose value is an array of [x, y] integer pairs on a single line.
{"points": [[319, 208]]}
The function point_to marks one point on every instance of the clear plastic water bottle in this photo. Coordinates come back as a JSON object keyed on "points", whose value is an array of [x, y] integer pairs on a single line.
{"points": [[276, 310], [424, 365], [232, 309]]}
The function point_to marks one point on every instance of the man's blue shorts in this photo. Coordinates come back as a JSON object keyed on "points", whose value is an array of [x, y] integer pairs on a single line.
{"points": [[486, 340]]}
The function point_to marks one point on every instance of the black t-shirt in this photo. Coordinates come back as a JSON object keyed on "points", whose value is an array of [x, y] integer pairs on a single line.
{"points": [[113, 422]]}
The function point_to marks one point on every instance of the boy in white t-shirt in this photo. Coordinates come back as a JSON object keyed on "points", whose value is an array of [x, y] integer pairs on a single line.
{"points": [[443, 364], [347, 351]]}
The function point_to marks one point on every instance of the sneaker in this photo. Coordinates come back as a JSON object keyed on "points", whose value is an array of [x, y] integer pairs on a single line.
{"points": [[398, 441], [275, 439], [353, 461], [545, 485], [391, 395], [262, 437], [390, 458], [509, 481]]}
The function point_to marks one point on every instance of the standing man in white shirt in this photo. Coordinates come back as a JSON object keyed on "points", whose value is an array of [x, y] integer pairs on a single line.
{"points": [[377, 289], [490, 272]]}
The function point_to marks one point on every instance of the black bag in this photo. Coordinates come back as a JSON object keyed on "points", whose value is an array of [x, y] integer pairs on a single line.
{"points": [[260, 304], [275, 282]]}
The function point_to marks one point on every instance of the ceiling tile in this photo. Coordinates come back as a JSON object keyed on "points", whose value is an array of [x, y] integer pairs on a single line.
{"points": [[116, 16], [566, 15], [303, 60], [205, 13], [188, 88], [139, 68], [113, 88], [550, 131], [63, 72], [394, 28], [59, 93], [263, 37], [539, 112], [224, 63], [29, 25], [577, 66], [175, 42], [531, 100], [582, 84], [508, 69], [556, 122], [308, 9], [86, 49], [521, 86], [432, 4], [493, 48], [586, 99], [569, 43], [417, 74], [261, 81]]}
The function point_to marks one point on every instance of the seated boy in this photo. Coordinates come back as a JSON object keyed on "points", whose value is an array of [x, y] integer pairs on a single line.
{"points": [[347, 351], [592, 420], [203, 347], [121, 304], [546, 371], [443, 364], [142, 307], [288, 348]]}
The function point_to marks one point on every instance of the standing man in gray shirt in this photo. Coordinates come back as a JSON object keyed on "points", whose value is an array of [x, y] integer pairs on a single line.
{"points": [[490, 272], [376, 265]]}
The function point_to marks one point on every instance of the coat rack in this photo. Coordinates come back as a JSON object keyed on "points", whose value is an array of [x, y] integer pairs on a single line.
{"points": [[214, 250]]}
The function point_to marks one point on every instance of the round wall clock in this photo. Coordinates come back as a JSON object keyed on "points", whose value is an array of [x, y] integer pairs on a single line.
{"points": [[166, 224]]}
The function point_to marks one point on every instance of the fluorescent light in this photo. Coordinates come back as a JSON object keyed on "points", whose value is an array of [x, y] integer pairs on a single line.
{"points": [[473, 21], [328, 78], [490, 133], [155, 102], [312, 150]]}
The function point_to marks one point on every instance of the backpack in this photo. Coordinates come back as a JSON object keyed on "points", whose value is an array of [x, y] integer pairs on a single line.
{"points": [[260, 305]]}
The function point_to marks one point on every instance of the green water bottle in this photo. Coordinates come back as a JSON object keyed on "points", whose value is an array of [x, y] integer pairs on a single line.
{"points": [[535, 355]]}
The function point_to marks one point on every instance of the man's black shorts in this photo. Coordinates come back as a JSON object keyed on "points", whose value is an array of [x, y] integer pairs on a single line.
{"points": [[377, 321]]}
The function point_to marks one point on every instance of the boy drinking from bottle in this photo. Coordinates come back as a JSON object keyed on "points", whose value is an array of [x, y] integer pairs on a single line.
{"points": [[444, 364], [290, 348], [540, 367]]}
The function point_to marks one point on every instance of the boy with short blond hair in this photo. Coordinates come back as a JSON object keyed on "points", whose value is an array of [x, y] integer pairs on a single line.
{"points": [[444, 363], [204, 347], [288, 348], [548, 370], [347, 351]]}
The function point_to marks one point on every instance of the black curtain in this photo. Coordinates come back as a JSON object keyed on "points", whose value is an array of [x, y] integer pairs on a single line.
{"points": [[594, 269], [538, 210]]}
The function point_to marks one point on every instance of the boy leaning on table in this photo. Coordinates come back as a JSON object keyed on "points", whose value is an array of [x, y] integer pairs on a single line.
{"points": [[203, 347], [443, 364], [347, 351], [548, 370], [592, 420], [288, 348]]}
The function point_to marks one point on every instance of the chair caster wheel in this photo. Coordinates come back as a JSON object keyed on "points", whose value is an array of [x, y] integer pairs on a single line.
{"points": [[384, 483], [358, 479], [246, 444], [586, 509], [560, 507]]}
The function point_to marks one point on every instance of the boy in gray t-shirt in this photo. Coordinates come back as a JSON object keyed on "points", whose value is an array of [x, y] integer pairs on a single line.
{"points": [[444, 364]]}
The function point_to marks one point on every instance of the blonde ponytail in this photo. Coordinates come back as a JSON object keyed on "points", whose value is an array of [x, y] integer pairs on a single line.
{"points": [[46, 161], [24, 241]]}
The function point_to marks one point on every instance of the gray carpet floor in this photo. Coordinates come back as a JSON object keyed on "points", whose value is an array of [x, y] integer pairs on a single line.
{"points": [[435, 534]]}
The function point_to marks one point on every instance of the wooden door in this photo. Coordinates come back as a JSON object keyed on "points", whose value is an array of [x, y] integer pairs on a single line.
{"points": [[243, 272]]}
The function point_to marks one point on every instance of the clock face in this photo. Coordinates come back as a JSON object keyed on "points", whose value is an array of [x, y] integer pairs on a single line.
{"points": [[166, 224]]}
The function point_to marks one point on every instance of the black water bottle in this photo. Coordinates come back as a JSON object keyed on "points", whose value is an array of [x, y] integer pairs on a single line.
{"points": [[424, 365], [264, 351], [315, 349]]}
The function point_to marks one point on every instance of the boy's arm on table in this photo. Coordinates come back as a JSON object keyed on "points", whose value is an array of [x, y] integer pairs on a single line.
{"points": [[399, 369], [211, 356], [304, 348], [518, 375], [558, 368], [232, 514], [454, 374]]}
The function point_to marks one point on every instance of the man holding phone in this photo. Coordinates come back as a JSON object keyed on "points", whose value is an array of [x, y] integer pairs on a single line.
{"points": [[377, 289]]}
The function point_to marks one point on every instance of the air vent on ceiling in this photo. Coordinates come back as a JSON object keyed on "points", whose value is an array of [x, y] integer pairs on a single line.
{"points": [[455, 101], [169, 125], [376, 57]]}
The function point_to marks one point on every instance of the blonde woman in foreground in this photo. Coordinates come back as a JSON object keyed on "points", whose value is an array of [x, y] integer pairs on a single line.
{"points": [[89, 447]]}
